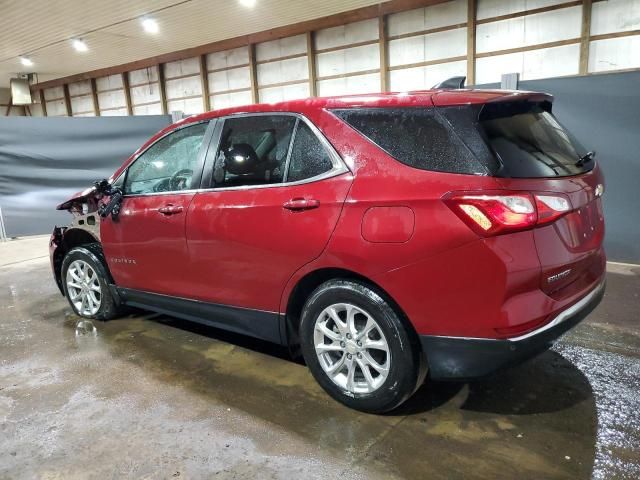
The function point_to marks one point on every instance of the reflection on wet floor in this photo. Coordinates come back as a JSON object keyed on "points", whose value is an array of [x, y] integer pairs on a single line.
{"points": [[615, 381], [86, 328], [156, 397]]}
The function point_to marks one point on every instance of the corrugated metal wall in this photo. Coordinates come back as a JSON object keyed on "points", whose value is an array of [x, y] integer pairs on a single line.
{"points": [[536, 38]]}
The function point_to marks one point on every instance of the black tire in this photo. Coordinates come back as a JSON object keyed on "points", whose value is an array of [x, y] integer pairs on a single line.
{"points": [[92, 255], [405, 366]]}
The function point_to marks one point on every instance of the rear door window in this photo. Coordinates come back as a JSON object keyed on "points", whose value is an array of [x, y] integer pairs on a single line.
{"points": [[418, 137], [253, 150], [309, 158]]}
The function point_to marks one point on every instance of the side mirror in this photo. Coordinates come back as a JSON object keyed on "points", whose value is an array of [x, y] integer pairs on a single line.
{"points": [[115, 199]]}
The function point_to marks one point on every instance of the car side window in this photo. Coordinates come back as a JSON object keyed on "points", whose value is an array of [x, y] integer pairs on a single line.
{"points": [[169, 164], [309, 158], [253, 150]]}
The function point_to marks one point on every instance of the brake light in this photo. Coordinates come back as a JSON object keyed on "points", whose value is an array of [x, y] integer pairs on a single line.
{"points": [[551, 207], [495, 213]]}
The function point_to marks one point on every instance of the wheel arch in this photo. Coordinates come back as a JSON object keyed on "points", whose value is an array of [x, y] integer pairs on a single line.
{"points": [[313, 279]]}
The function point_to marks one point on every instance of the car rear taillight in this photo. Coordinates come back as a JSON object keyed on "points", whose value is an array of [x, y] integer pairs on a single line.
{"points": [[551, 207], [495, 213]]}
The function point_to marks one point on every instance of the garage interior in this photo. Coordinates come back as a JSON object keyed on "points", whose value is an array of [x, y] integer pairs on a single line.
{"points": [[151, 396]]}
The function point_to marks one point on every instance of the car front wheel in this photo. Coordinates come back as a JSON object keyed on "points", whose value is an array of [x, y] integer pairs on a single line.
{"points": [[86, 284], [357, 347]]}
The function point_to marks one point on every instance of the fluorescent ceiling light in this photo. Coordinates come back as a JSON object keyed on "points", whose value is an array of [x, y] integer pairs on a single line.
{"points": [[150, 25], [27, 62], [79, 45], [248, 3]]}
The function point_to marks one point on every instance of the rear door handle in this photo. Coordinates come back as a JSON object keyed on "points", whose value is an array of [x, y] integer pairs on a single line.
{"points": [[298, 204], [170, 209]]}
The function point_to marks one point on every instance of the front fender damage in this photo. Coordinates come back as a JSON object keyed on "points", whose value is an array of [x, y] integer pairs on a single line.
{"points": [[83, 229]]}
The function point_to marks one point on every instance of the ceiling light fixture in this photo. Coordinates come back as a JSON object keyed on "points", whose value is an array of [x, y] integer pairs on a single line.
{"points": [[26, 61], [79, 44], [248, 3], [150, 25]]}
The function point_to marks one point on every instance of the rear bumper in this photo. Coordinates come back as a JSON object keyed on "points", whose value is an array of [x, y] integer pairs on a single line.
{"points": [[461, 358]]}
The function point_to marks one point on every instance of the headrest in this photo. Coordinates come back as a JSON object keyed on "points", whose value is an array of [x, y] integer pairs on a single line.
{"points": [[241, 159], [265, 144]]}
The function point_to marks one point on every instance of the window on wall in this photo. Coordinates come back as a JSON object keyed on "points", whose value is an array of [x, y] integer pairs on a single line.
{"points": [[169, 164], [309, 158], [253, 150]]}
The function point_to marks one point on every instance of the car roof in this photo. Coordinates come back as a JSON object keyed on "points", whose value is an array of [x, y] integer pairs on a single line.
{"points": [[419, 98]]}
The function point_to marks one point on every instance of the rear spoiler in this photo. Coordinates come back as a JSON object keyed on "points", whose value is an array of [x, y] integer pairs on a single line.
{"points": [[470, 97], [473, 95], [453, 83]]}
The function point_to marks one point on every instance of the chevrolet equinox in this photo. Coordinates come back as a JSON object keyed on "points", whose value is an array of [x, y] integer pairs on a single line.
{"points": [[450, 232]]}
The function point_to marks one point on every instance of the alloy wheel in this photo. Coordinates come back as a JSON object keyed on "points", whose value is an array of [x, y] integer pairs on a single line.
{"points": [[351, 348], [83, 287]]}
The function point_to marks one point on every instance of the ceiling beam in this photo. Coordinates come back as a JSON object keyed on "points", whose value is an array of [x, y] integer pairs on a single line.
{"points": [[365, 13]]}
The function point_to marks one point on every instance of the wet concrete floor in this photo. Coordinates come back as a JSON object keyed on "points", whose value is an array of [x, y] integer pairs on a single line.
{"points": [[149, 396]]}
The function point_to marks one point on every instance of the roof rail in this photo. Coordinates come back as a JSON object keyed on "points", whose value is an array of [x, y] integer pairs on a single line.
{"points": [[454, 83]]}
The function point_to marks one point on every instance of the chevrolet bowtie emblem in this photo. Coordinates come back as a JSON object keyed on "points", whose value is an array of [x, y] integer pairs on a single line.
{"points": [[599, 190]]}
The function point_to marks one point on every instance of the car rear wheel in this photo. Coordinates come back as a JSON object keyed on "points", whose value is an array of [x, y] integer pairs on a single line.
{"points": [[357, 347], [86, 284]]}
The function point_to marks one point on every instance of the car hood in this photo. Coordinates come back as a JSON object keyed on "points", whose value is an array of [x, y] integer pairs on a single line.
{"points": [[77, 197]]}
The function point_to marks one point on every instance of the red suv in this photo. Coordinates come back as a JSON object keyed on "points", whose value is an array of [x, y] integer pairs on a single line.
{"points": [[448, 232]]}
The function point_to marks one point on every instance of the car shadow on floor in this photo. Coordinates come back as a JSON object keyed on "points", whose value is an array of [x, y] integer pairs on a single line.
{"points": [[548, 383]]}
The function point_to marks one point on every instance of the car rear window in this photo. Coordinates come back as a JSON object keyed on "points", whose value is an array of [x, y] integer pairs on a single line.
{"points": [[525, 139], [418, 137]]}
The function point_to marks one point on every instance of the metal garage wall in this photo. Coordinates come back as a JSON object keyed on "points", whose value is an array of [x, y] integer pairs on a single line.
{"points": [[603, 111], [45, 160], [348, 59], [229, 78], [397, 51], [282, 69], [427, 45]]}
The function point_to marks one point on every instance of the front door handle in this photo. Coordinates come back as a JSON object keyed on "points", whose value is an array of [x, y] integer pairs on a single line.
{"points": [[298, 204], [170, 209]]}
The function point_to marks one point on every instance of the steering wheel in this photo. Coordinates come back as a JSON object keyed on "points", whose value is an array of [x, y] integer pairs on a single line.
{"points": [[180, 179]]}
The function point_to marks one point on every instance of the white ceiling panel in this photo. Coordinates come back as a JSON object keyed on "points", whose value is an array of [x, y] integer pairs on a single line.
{"points": [[41, 29]]}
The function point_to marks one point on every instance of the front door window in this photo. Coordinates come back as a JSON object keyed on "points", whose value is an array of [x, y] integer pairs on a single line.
{"points": [[168, 165]]}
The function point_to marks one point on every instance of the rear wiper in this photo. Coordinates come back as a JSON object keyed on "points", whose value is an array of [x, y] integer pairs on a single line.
{"points": [[587, 157]]}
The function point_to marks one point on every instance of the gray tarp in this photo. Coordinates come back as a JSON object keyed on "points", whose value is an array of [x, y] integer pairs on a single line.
{"points": [[43, 161]]}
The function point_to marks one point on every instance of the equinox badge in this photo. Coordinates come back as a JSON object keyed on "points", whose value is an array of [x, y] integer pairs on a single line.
{"points": [[558, 276]]}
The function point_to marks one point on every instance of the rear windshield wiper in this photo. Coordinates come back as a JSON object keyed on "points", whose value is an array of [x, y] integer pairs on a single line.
{"points": [[587, 157]]}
